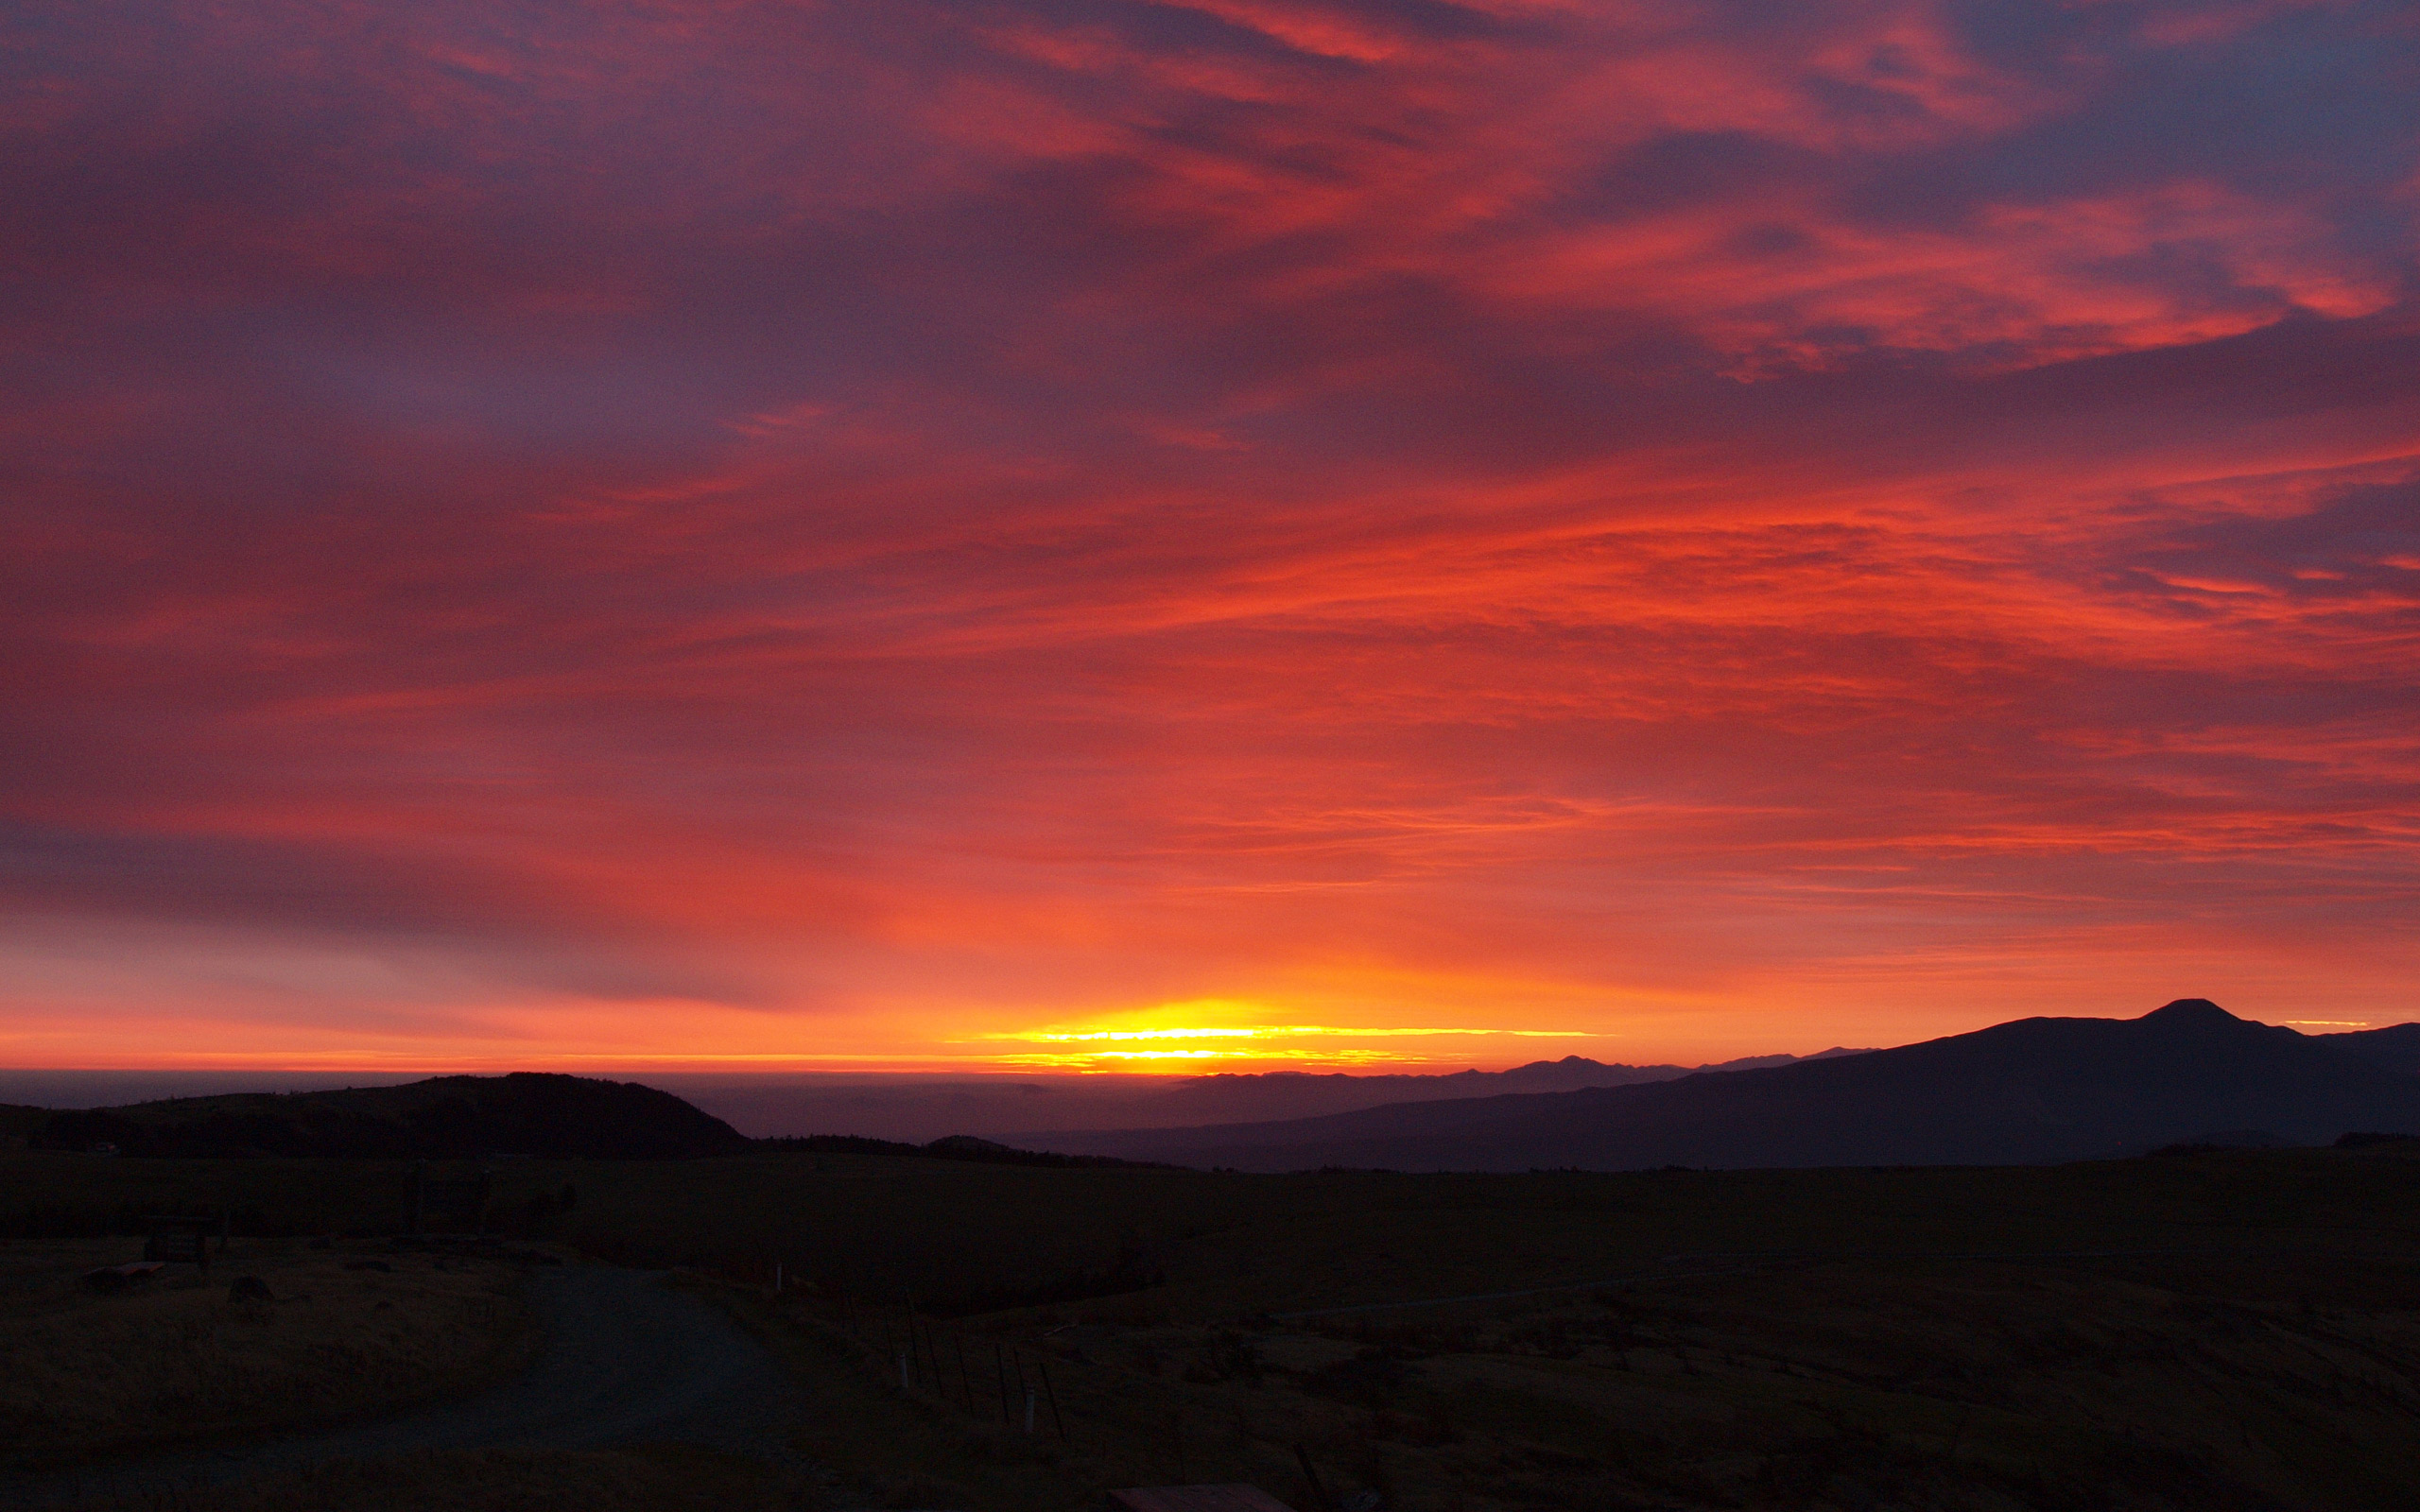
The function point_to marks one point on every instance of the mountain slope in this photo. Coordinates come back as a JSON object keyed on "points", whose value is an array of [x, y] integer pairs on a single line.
{"points": [[2395, 1047], [2037, 1090], [524, 1113]]}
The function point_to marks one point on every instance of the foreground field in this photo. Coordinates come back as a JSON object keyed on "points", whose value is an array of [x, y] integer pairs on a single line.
{"points": [[339, 1335], [2230, 1330], [1848, 1383], [665, 1479]]}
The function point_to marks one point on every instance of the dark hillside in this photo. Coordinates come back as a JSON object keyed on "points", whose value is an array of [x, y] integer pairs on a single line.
{"points": [[2037, 1090], [2233, 1330], [446, 1117], [2395, 1047]]}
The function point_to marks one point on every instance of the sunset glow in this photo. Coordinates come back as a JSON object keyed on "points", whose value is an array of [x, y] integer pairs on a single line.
{"points": [[1136, 1046], [1093, 535]]}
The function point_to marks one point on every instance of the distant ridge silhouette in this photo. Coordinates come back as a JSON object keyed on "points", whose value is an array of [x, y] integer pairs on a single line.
{"points": [[524, 1113], [2395, 1047], [1231, 1097], [2032, 1090]]}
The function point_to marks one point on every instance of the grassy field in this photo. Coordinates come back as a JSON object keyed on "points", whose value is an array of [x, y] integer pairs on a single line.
{"points": [[2216, 1331], [90, 1375], [2219, 1329], [643, 1480]]}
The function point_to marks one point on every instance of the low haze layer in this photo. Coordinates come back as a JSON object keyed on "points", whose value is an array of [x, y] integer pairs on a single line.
{"points": [[1377, 535]]}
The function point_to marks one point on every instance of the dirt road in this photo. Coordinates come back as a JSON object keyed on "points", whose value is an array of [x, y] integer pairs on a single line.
{"points": [[624, 1359]]}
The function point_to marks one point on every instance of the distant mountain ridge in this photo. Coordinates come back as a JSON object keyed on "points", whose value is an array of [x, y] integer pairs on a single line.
{"points": [[2395, 1047], [404, 1118], [1226, 1097], [531, 1113], [1570, 1073], [2032, 1090], [1009, 1108]]}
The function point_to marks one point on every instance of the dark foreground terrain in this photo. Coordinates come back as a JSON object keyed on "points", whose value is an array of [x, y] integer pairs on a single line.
{"points": [[622, 1359], [2221, 1328]]}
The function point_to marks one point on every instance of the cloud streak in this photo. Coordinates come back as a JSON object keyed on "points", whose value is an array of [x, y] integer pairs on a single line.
{"points": [[667, 530]]}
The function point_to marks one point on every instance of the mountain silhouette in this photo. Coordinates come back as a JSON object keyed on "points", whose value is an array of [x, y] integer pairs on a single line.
{"points": [[2032, 1090], [446, 1117], [2395, 1047]]}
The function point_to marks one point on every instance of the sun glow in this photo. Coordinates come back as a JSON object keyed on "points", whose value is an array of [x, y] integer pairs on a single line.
{"points": [[1271, 1031], [1139, 1046], [1183, 548]]}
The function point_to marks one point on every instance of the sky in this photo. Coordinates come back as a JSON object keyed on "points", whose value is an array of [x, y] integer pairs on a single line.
{"points": [[1205, 535]]}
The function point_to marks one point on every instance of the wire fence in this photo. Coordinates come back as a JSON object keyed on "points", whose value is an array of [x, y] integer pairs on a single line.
{"points": [[985, 1377]]}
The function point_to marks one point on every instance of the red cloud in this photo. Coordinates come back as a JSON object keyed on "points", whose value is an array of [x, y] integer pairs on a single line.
{"points": [[865, 527]]}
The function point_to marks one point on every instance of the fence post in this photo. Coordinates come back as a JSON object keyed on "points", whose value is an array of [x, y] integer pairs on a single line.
{"points": [[1319, 1488], [1056, 1421], [933, 1359]]}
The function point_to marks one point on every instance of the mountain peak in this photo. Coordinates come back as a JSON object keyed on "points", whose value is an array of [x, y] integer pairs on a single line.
{"points": [[2191, 1011]]}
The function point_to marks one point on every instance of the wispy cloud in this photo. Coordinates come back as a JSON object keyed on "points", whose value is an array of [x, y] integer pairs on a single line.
{"points": [[768, 530]]}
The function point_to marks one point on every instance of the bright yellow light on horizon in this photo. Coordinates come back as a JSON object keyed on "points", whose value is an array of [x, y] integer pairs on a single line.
{"points": [[1191, 1040], [1094, 1058], [1271, 1031]]}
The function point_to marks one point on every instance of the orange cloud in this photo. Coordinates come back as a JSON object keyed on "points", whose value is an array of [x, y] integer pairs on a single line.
{"points": [[772, 534]]}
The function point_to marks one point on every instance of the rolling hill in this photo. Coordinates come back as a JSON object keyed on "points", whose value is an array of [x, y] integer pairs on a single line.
{"points": [[2029, 1091], [523, 1113]]}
